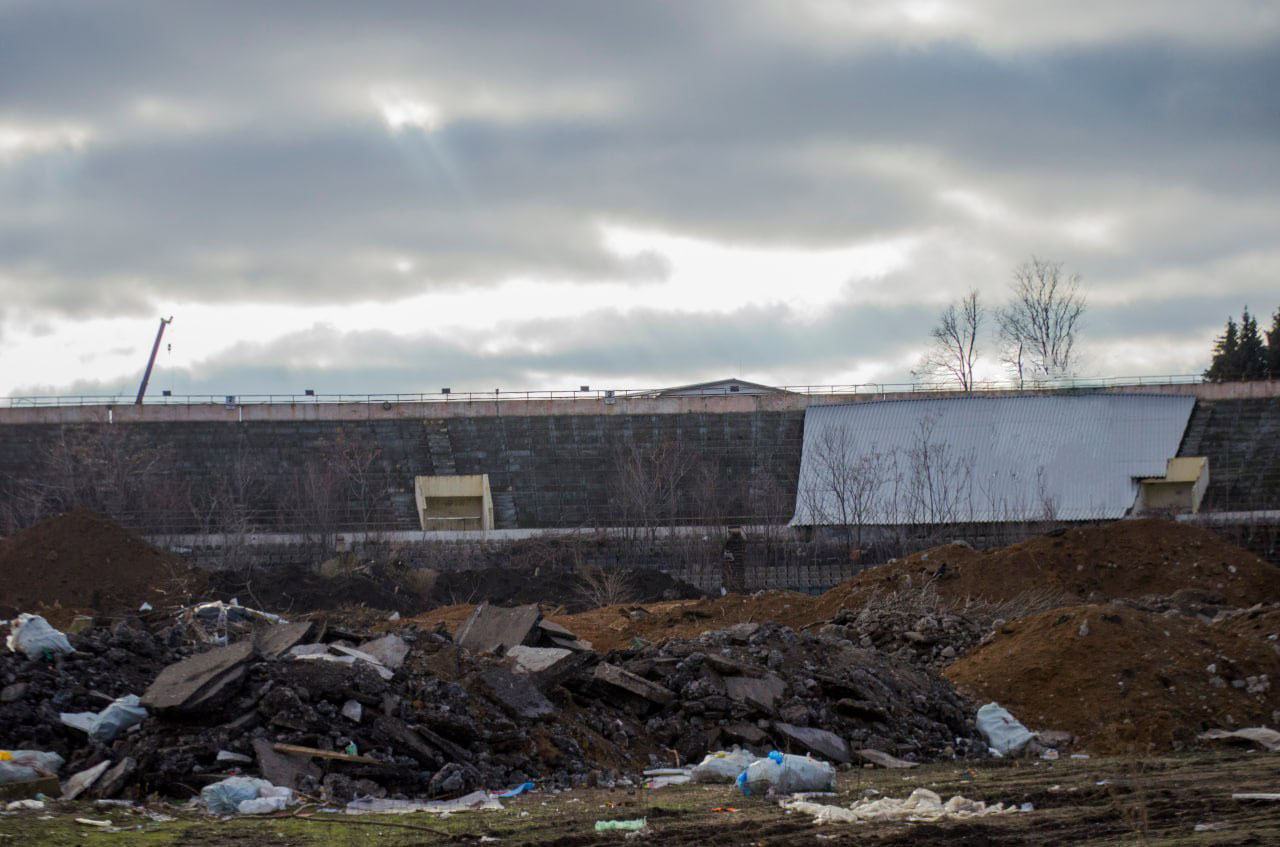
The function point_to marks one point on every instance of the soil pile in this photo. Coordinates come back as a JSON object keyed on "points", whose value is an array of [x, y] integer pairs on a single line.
{"points": [[1127, 558], [81, 560], [1124, 680]]}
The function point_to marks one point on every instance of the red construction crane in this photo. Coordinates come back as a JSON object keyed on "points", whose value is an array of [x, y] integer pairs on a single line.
{"points": [[155, 348]]}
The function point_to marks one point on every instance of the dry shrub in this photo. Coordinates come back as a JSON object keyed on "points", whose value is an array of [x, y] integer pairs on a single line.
{"points": [[606, 586], [421, 581]]}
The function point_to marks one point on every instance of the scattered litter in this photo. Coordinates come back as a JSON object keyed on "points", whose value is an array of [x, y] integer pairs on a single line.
{"points": [[786, 774], [17, 805], [722, 766], [104, 726], [1260, 735], [633, 825], [26, 765], [517, 791], [1004, 733], [32, 636], [476, 801], [245, 795], [922, 805]]}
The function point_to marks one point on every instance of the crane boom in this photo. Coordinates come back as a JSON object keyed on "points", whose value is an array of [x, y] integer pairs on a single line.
{"points": [[155, 348]]}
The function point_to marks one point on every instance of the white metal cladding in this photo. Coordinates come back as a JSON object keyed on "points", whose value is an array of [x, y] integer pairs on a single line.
{"points": [[995, 458]]}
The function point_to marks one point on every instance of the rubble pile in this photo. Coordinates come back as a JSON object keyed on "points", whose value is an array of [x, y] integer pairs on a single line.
{"points": [[932, 638], [336, 713], [763, 685]]}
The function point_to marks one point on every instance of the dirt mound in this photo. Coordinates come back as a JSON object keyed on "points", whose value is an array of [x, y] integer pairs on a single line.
{"points": [[1088, 564], [81, 560], [1123, 680]]}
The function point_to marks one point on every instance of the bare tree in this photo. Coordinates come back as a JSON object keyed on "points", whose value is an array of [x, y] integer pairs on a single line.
{"points": [[955, 342], [1038, 328], [842, 488]]}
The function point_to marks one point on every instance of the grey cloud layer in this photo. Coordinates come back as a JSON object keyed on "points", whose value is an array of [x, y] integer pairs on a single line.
{"points": [[266, 173]]}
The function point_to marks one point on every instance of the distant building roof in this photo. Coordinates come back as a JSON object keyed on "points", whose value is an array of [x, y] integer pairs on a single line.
{"points": [[985, 459], [718, 387]]}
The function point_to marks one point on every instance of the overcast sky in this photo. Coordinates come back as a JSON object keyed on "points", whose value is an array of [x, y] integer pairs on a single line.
{"points": [[400, 196]]}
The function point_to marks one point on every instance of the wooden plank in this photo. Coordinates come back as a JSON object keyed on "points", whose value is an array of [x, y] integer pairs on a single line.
{"points": [[299, 750]]}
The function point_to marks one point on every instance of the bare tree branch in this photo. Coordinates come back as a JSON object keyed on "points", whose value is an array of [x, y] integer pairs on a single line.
{"points": [[955, 342], [1038, 328]]}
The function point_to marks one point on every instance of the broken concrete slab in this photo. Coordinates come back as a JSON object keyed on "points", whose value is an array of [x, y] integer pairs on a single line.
{"points": [[390, 650], [274, 641], [555, 630], [818, 741], [740, 633], [762, 693], [732, 667], [199, 680], [83, 781], [616, 677], [534, 660], [884, 760], [114, 780], [746, 733], [516, 694], [577, 645], [361, 656], [282, 768], [490, 628]]}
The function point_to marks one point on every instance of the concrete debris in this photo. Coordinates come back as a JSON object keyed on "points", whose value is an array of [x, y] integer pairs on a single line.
{"points": [[625, 681], [199, 681], [763, 693], [818, 741], [114, 780], [390, 650], [490, 628], [535, 660], [884, 760], [449, 721], [273, 642], [284, 769], [516, 693], [84, 780]]}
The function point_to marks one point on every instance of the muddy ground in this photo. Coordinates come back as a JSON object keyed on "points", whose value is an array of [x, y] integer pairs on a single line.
{"points": [[1155, 801]]}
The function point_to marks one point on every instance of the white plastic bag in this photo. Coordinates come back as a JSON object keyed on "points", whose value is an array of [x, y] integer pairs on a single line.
{"points": [[104, 726], [723, 766], [1004, 733], [33, 636], [786, 774], [25, 765], [272, 799], [225, 797]]}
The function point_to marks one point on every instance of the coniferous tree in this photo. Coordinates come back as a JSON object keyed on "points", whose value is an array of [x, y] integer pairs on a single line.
{"points": [[1253, 355], [1273, 347], [1226, 355]]}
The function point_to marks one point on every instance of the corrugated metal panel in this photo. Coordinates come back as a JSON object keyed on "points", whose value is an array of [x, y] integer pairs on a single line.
{"points": [[984, 459]]}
